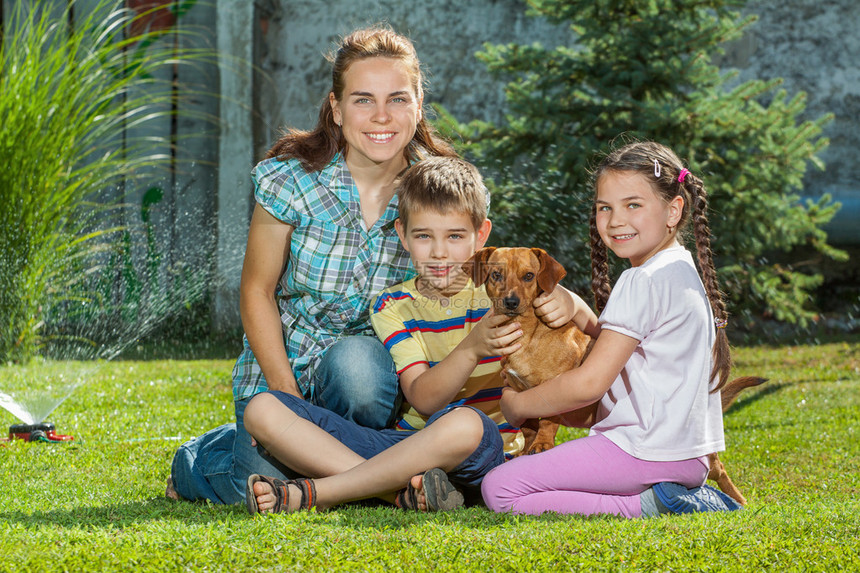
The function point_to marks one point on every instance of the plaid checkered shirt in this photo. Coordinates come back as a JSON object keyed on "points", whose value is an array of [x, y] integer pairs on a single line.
{"points": [[335, 270]]}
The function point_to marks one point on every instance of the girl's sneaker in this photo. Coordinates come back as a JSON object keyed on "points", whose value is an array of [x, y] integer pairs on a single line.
{"points": [[668, 497]]}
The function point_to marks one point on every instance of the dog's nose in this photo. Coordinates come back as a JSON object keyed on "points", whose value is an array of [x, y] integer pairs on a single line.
{"points": [[511, 302]]}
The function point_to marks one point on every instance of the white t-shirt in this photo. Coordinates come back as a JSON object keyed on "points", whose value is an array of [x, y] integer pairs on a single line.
{"points": [[660, 408]]}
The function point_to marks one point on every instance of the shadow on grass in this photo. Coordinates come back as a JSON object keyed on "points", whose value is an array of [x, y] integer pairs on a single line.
{"points": [[358, 516], [766, 389], [125, 514]]}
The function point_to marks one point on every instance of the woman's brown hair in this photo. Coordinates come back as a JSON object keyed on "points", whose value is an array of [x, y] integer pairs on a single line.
{"points": [[640, 157], [316, 148]]}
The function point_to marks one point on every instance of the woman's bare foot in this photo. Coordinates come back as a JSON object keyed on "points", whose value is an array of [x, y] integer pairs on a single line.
{"points": [[265, 495], [171, 493]]}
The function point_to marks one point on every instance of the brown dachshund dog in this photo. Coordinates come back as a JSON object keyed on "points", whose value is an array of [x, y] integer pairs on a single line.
{"points": [[514, 277]]}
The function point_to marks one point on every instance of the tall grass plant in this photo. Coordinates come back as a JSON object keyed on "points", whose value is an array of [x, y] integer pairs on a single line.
{"points": [[76, 84]]}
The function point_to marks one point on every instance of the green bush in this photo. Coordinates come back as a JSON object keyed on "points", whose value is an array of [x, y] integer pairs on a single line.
{"points": [[73, 83], [643, 70]]}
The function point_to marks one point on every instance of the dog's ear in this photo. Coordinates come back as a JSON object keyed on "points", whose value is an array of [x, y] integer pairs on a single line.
{"points": [[551, 271], [477, 267]]}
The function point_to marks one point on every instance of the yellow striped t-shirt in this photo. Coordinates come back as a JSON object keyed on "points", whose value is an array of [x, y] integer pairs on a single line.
{"points": [[416, 329]]}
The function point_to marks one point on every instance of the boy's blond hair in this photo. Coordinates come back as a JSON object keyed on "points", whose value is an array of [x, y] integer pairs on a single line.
{"points": [[443, 185]]}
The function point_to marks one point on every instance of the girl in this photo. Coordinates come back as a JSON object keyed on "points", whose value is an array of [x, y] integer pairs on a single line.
{"points": [[321, 245], [656, 367]]}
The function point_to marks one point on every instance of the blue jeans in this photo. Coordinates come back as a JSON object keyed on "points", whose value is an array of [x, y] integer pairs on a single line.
{"points": [[216, 465], [356, 380]]}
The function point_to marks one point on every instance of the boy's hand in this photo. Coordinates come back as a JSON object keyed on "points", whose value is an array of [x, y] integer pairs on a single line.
{"points": [[555, 308], [493, 336]]}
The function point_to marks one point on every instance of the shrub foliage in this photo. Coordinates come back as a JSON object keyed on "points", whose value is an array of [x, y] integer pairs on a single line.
{"points": [[643, 69]]}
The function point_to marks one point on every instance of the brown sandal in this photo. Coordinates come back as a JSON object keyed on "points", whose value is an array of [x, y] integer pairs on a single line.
{"points": [[282, 493], [439, 494]]}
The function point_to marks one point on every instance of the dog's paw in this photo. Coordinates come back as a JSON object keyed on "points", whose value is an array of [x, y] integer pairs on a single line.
{"points": [[539, 447]]}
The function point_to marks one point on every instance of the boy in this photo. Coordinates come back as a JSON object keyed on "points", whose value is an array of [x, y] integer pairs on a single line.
{"points": [[426, 321], [446, 346]]}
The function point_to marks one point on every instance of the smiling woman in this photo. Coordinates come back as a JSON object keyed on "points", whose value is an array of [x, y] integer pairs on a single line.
{"points": [[378, 113], [321, 246]]}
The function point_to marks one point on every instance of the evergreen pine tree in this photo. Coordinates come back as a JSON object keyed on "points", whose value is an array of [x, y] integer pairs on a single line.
{"points": [[643, 69]]}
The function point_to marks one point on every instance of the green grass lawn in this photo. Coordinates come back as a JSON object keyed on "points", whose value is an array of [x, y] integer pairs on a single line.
{"points": [[97, 503]]}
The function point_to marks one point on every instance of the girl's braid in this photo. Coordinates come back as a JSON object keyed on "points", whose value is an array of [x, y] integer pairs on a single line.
{"points": [[702, 234], [599, 265]]}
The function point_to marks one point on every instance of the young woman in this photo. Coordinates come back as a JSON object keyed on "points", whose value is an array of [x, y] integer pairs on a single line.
{"points": [[661, 355], [321, 246]]}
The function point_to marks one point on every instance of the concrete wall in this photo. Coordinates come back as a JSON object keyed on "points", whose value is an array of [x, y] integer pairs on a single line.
{"points": [[296, 36], [235, 27], [813, 46], [203, 218]]}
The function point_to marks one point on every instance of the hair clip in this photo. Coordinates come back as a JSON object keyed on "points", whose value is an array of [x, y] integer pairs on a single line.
{"points": [[657, 169], [683, 175], [721, 322]]}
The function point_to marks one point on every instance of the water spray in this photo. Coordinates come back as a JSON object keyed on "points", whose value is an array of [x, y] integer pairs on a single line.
{"points": [[88, 323]]}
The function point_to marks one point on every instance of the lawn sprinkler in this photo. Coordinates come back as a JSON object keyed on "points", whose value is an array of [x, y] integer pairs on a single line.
{"points": [[43, 432]]}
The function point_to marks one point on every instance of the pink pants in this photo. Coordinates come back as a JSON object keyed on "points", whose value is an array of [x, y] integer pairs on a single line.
{"points": [[586, 476]]}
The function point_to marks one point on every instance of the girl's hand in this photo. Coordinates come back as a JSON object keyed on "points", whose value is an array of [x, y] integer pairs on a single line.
{"points": [[509, 404], [493, 336], [555, 308]]}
